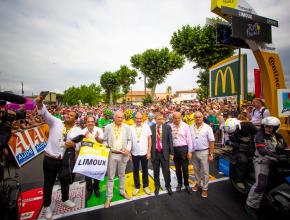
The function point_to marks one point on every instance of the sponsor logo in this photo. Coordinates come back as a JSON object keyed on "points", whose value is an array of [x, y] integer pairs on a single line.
{"points": [[275, 71], [224, 80], [228, 1], [27, 215], [253, 30]]}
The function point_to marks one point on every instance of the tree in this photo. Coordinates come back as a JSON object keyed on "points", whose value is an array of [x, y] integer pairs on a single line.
{"points": [[156, 64], [203, 81], [147, 100], [109, 81], [250, 96], [198, 45], [126, 78], [86, 94]]}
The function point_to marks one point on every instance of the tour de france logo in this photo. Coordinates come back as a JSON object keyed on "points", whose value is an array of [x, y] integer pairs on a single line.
{"points": [[253, 30]]}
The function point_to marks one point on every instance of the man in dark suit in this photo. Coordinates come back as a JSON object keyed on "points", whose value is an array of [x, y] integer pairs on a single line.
{"points": [[161, 152]]}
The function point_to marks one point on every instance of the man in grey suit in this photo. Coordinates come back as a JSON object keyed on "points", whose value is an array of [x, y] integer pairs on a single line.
{"points": [[161, 152], [118, 137]]}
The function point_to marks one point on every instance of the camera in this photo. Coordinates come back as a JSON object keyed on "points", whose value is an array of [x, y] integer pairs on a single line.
{"points": [[8, 116], [9, 187]]}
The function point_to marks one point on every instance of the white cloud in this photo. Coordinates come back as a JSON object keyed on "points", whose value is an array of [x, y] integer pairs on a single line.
{"points": [[56, 44]]}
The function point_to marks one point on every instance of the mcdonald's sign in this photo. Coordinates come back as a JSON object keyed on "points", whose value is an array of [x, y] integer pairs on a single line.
{"points": [[223, 80]]}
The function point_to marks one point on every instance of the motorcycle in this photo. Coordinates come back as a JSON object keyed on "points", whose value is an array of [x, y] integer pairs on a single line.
{"points": [[277, 194]]}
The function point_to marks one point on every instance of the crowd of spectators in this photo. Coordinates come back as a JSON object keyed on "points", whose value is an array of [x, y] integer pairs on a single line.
{"points": [[215, 113]]}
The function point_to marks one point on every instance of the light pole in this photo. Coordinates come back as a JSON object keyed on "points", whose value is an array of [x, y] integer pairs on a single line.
{"points": [[131, 97], [145, 85], [239, 81]]}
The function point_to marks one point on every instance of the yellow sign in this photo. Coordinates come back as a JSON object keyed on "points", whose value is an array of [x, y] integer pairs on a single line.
{"points": [[217, 4], [241, 5], [224, 78]]}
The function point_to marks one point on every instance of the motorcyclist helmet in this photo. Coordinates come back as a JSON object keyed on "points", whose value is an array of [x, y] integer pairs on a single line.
{"points": [[231, 125], [271, 122]]}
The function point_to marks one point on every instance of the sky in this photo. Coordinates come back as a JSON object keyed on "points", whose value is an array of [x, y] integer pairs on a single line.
{"points": [[54, 44]]}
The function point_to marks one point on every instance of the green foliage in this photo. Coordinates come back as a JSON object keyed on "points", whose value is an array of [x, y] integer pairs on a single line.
{"points": [[115, 96], [250, 96], [109, 81], [156, 65], [203, 82], [148, 100], [126, 77], [86, 94], [198, 45]]}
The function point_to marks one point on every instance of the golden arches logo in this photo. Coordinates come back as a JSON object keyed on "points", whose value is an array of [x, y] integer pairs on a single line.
{"points": [[224, 78]]}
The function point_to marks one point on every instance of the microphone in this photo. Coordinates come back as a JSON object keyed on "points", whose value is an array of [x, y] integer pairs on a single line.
{"points": [[6, 96]]}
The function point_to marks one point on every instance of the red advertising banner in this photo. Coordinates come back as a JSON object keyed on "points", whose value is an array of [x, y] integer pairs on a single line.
{"points": [[31, 204], [258, 83]]}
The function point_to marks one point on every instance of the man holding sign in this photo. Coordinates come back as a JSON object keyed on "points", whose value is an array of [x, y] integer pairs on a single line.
{"points": [[95, 134], [118, 137]]}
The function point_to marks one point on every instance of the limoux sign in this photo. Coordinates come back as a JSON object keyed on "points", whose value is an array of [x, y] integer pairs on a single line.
{"points": [[223, 77]]}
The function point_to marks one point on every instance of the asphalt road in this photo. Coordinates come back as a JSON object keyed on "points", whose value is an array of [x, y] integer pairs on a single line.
{"points": [[223, 203]]}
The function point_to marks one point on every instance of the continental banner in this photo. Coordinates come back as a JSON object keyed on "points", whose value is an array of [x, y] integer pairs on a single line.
{"points": [[27, 144], [92, 160], [223, 77]]}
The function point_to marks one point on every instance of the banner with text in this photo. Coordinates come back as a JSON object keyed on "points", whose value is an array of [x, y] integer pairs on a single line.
{"points": [[27, 144], [92, 160]]}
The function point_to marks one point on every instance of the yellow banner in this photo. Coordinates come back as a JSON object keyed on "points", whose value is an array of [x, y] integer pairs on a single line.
{"points": [[93, 148], [92, 161], [217, 4], [272, 77], [241, 5]]}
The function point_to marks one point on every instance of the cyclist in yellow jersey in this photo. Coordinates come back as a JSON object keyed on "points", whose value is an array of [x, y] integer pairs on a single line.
{"points": [[189, 117]]}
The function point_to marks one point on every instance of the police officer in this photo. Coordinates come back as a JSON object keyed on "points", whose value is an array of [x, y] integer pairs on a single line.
{"points": [[267, 142]]}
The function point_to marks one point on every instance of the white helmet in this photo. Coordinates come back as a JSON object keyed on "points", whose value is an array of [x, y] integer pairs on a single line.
{"points": [[271, 121], [231, 125]]}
